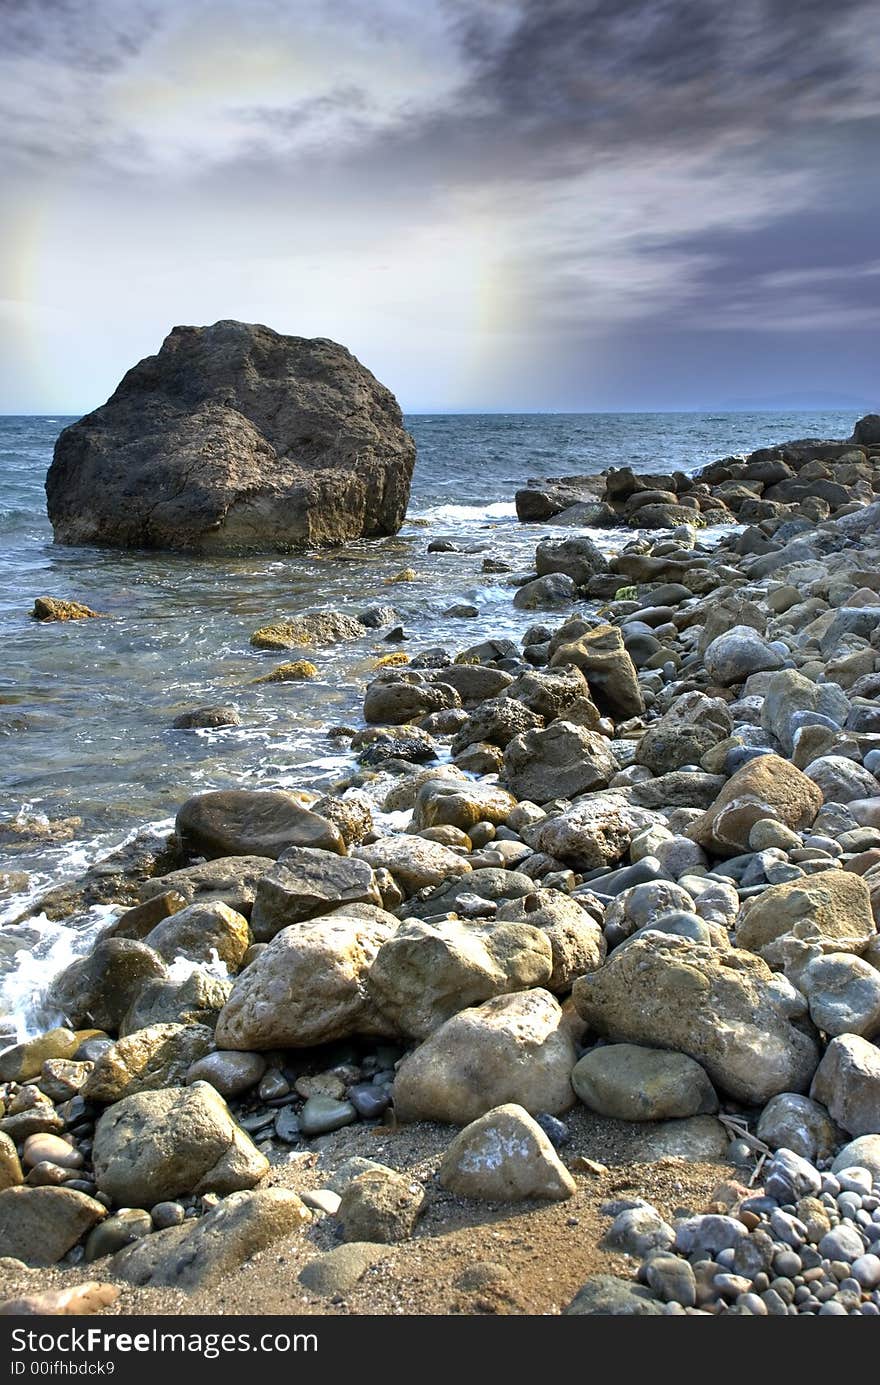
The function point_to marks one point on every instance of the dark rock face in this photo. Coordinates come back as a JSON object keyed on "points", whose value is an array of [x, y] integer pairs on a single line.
{"points": [[235, 438], [867, 429]]}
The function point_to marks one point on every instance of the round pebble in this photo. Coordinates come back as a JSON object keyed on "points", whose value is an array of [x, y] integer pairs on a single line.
{"points": [[51, 1149], [166, 1214]]}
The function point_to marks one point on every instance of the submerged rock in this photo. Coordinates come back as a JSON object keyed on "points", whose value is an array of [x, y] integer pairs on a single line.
{"points": [[235, 437]]}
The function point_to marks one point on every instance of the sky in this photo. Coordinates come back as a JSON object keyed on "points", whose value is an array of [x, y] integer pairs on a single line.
{"points": [[499, 205]]}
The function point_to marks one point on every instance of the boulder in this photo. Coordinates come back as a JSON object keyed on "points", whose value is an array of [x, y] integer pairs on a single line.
{"points": [[562, 761], [308, 985], [39, 1225], [445, 803], [504, 1156], [427, 972], [577, 943], [156, 1146], [148, 1059], [200, 931], [229, 880], [199, 1254], [795, 1122], [578, 558], [847, 1083], [601, 657], [99, 989], [497, 721], [196, 998], [726, 1010], [765, 787], [513, 1048], [841, 780], [10, 1167], [251, 822], [596, 832], [305, 883], [393, 699], [843, 994], [831, 910], [867, 430], [546, 593], [631, 1083], [414, 862], [235, 437], [556, 692], [380, 1205], [863, 1152], [787, 692], [230, 1073], [606, 1295], [693, 726]]}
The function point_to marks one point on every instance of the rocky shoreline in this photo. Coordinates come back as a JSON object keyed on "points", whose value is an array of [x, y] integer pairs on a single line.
{"points": [[627, 922]]}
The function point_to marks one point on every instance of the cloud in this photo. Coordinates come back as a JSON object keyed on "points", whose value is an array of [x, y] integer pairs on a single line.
{"points": [[479, 178]]}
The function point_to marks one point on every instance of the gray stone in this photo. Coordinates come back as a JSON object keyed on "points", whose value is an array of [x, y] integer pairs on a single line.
{"points": [[607, 1296], [306, 883], [337, 1271], [638, 1230], [627, 1082], [200, 1254], [847, 1083], [505, 1156]]}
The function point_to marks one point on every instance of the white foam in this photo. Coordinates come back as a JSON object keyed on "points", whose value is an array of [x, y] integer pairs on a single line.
{"points": [[24, 986], [461, 514]]}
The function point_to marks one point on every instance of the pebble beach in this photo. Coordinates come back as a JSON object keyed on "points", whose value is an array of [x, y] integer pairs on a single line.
{"points": [[546, 982]]}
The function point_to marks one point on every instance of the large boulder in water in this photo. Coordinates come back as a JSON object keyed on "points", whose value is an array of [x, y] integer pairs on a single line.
{"points": [[235, 437]]}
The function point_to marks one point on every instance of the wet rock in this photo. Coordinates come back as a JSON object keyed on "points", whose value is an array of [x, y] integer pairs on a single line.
{"points": [[394, 699], [199, 931], [513, 1048], [235, 437], [504, 1156], [321, 1114], [99, 989], [251, 822], [48, 608], [26, 1059], [578, 558], [498, 721], [156, 1146], [206, 718], [546, 593], [627, 1082], [312, 630]]}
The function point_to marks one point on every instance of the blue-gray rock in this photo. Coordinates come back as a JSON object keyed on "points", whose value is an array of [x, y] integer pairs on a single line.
{"points": [[788, 1177]]}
